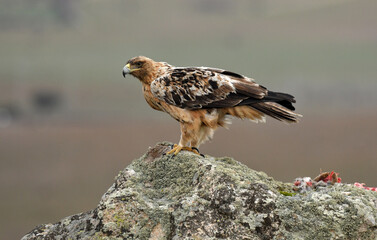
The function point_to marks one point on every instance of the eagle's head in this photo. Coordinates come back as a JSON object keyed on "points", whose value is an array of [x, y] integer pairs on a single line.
{"points": [[140, 67]]}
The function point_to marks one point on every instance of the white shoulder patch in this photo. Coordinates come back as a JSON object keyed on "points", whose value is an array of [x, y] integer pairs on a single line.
{"points": [[157, 90]]}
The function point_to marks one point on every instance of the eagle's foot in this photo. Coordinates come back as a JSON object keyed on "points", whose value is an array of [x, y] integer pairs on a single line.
{"points": [[177, 148], [196, 150]]}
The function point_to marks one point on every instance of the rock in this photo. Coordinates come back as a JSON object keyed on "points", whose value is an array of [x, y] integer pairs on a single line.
{"points": [[194, 197]]}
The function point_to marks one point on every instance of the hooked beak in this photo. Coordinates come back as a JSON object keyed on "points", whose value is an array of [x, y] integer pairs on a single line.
{"points": [[126, 70]]}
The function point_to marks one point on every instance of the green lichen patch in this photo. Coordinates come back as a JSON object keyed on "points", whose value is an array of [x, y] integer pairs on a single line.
{"points": [[338, 212], [290, 194], [168, 176], [242, 175]]}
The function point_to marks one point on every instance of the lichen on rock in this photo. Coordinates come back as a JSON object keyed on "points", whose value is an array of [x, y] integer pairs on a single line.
{"points": [[193, 197]]}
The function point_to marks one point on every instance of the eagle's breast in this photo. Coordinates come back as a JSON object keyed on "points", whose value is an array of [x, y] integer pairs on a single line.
{"points": [[151, 99]]}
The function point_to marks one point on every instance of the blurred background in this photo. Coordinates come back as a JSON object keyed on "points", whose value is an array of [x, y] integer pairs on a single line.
{"points": [[69, 121]]}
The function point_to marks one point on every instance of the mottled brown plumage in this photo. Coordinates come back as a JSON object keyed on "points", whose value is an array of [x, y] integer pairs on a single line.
{"points": [[202, 98]]}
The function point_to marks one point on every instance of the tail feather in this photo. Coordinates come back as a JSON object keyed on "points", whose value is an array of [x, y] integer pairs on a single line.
{"points": [[279, 112], [245, 112], [283, 99]]}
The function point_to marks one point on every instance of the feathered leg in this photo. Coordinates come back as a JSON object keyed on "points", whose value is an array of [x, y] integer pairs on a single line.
{"points": [[205, 133]]}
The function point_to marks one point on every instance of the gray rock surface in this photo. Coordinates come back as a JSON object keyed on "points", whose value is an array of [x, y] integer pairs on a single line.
{"points": [[194, 197]]}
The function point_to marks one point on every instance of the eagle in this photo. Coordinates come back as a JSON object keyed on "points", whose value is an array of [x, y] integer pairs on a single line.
{"points": [[202, 99]]}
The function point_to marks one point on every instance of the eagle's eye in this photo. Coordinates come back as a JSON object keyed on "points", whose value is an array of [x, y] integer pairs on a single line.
{"points": [[138, 64]]}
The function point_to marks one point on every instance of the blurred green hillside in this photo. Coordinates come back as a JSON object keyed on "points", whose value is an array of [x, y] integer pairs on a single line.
{"points": [[322, 49]]}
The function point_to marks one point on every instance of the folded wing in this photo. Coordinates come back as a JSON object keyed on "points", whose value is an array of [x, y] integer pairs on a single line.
{"points": [[200, 87]]}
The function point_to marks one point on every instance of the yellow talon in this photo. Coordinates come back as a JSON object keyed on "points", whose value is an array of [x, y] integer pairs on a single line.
{"points": [[176, 149]]}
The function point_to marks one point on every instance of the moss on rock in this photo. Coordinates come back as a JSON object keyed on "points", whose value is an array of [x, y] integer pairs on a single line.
{"points": [[192, 197]]}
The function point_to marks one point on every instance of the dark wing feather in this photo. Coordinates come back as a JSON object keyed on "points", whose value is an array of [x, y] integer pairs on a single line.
{"points": [[195, 88], [283, 99], [244, 85]]}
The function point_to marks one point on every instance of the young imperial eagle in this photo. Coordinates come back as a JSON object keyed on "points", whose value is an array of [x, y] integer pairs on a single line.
{"points": [[202, 98]]}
